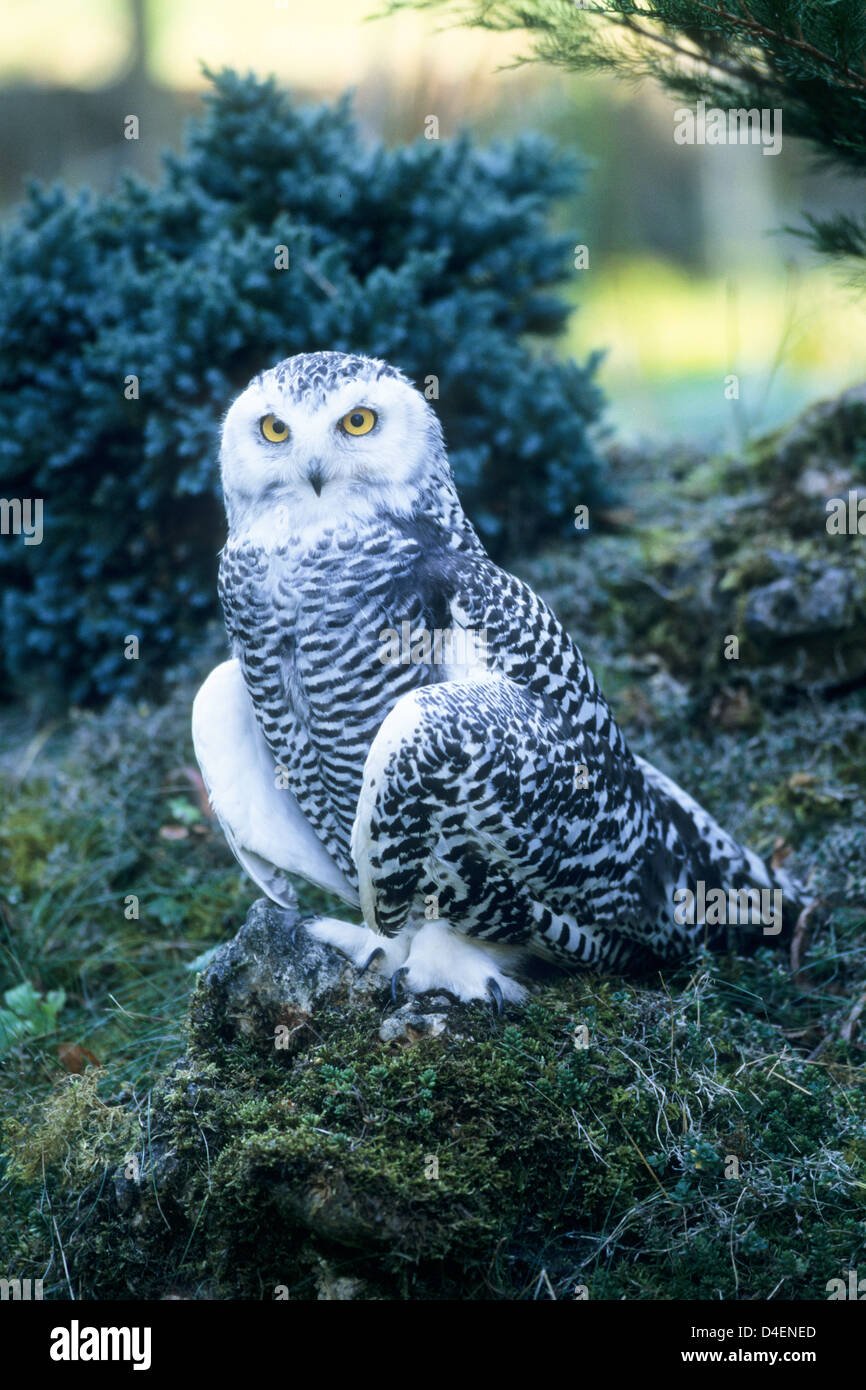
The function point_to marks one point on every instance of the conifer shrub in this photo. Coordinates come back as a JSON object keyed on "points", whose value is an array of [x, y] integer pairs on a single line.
{"points": [[128, 322]]}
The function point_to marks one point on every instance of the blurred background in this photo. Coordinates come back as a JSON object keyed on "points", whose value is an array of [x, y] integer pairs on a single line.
{"points": [[690, 277]]}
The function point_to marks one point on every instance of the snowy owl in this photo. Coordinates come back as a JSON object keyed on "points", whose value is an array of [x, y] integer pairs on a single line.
{"points": [[409, 727]]}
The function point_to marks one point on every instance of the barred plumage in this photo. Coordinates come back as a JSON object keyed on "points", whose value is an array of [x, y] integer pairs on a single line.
{"points": [[475, 808]]}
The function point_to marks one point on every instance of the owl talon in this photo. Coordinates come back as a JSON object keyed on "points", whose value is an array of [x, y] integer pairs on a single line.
{"points": [[374, 955], [395, 979], [495, 993]]}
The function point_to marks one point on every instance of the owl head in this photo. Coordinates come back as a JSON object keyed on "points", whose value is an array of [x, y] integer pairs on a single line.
{"points": [[325, 438]]}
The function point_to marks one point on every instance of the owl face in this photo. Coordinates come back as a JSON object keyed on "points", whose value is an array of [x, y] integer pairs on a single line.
{"points": [[323, 438]]}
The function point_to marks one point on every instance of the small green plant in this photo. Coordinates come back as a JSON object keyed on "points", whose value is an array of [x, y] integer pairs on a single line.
{"points": [[28, 1013]]}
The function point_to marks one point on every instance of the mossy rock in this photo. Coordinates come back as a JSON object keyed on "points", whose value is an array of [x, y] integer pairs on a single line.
{"points": [[729, 547], [316, 1141], [823, 451]]}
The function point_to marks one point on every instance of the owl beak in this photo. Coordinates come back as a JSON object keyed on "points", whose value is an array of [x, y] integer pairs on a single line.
{"points": [[316, 480]]}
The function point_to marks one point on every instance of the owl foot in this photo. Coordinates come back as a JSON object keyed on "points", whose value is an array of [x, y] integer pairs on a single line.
{"points": [[432, 957], [442, 959], [495, 993], [376, 954], [493, 990], [365, 948]]}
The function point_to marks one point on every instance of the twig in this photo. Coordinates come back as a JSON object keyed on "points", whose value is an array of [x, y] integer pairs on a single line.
{"points": [[779, 36], [800, 936], [731, 1243], [848, 1026], [646, 1165], [63, 1258], [543, 1277], [324, 284], [741, 73]]}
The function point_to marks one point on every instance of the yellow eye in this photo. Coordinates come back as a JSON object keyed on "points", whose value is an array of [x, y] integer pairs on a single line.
{"points": [[359, 421], [274, 430]]}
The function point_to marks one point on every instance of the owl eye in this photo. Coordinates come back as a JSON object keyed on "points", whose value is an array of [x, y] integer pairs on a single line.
{"points": [[273, 429], [359, 421]]}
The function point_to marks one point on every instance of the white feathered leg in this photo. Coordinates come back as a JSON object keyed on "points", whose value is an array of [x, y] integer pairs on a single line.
{"points": [[262, 822], [441, 958], [367, 949]]}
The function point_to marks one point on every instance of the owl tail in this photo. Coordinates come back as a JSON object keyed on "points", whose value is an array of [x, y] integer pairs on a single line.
{"points": [[765, 904]]}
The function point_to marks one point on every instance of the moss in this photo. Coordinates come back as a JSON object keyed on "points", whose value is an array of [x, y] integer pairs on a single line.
{"points": [[74, 1132], [608, 1165]]}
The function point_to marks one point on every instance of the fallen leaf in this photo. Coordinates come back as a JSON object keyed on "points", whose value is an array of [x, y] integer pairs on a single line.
{"points": [[781, 852], [635, 708], [732, 709], [75, 1057]]}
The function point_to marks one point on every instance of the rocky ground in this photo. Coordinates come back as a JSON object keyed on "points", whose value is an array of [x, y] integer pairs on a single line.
{"points": [[265, 1125]]}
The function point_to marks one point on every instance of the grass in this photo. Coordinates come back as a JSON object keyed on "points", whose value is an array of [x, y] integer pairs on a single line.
{"points": [[116, 880], [708, 1142]]}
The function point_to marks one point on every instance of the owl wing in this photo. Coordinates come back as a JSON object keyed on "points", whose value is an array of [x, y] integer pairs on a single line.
{"points": [[266, 830], [526, 642], [642, 811]]}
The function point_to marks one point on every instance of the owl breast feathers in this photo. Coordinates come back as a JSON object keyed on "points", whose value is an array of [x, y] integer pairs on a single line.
{"points": [[409, 727]]}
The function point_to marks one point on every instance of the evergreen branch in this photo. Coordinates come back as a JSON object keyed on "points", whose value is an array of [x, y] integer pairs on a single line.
{"points": [[779, 36], [840, 236], [740, 73], [808, 56], [744, 27]]}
